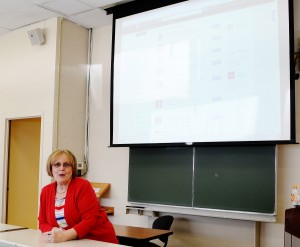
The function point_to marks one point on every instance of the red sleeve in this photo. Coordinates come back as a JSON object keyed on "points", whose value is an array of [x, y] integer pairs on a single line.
{"points": [[88, 207], [44, 226]]}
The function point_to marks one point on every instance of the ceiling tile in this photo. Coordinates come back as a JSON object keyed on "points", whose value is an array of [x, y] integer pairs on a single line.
{"points": [[15, 14], [67, 7], [92, 19], [17, 5], [99, 3], [20, 17], [111, 3], [3, 31], [39, 2]]}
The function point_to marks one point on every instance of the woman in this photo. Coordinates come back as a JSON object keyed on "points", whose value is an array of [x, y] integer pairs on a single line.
{"points": [[69, 208]]}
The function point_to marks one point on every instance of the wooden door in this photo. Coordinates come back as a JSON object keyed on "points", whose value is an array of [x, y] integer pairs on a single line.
{"points": [[23, 172]]}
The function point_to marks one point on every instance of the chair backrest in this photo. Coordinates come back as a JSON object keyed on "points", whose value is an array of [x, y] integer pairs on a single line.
{"points": [[164, 223]]}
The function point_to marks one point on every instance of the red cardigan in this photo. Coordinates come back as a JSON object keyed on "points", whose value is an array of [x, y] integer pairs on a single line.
{"points": [[82, 211]]}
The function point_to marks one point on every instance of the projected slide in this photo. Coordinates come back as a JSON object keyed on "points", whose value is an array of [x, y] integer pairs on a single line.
{"points": [[202, 71]]}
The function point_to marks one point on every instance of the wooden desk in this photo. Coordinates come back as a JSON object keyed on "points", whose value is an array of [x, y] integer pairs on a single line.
{"points": [[292, 227], [29, 237], [138, 236]]}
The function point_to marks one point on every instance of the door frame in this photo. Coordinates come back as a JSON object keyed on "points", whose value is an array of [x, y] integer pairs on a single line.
{"points": [[4, 168]]}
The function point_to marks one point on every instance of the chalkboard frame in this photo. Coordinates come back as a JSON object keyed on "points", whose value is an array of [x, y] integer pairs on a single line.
{"points": [[264, 152]]}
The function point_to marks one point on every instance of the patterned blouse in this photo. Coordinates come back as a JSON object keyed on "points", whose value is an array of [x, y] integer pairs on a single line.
{"points": [[59, 212]]}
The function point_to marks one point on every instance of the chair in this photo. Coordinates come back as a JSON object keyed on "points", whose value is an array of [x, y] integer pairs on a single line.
{"points": [[163, 223]]}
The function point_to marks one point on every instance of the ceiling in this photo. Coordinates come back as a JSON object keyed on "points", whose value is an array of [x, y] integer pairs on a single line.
{"points": [[15, 14]]}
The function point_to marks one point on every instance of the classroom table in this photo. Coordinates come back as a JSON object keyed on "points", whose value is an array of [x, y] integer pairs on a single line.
{"points": [[138, 236], [33, 238], [8, 228], [292, 227]]}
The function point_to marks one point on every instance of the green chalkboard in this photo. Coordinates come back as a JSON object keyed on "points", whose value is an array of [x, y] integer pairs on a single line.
{"points": [[231, 178], [235, 178], [161, 176]]}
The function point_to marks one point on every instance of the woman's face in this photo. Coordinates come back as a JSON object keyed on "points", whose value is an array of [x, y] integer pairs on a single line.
{"points": [[62, 170]]}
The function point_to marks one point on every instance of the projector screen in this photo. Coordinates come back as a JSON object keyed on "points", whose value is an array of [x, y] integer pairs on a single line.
{"points": [[204, 72]]}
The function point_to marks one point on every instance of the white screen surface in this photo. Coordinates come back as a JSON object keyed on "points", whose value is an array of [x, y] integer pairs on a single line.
{"points": [[203, 71]]}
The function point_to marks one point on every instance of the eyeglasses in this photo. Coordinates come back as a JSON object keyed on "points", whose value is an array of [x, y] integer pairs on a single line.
{"points": [[58, 165]]}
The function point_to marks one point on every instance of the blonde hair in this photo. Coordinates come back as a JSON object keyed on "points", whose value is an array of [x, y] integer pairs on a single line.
{"points": [[53, 157]]}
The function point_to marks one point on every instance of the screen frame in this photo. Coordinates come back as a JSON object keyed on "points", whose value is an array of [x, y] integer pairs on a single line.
{"points": [[139, 6]]}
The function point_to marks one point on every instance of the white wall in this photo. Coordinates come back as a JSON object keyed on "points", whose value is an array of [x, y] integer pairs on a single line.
{"points": [[72, 88], [47, 81], [27, 85]]}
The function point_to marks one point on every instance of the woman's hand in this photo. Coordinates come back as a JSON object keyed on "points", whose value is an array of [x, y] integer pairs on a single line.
{"points": [[56, 235]]}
